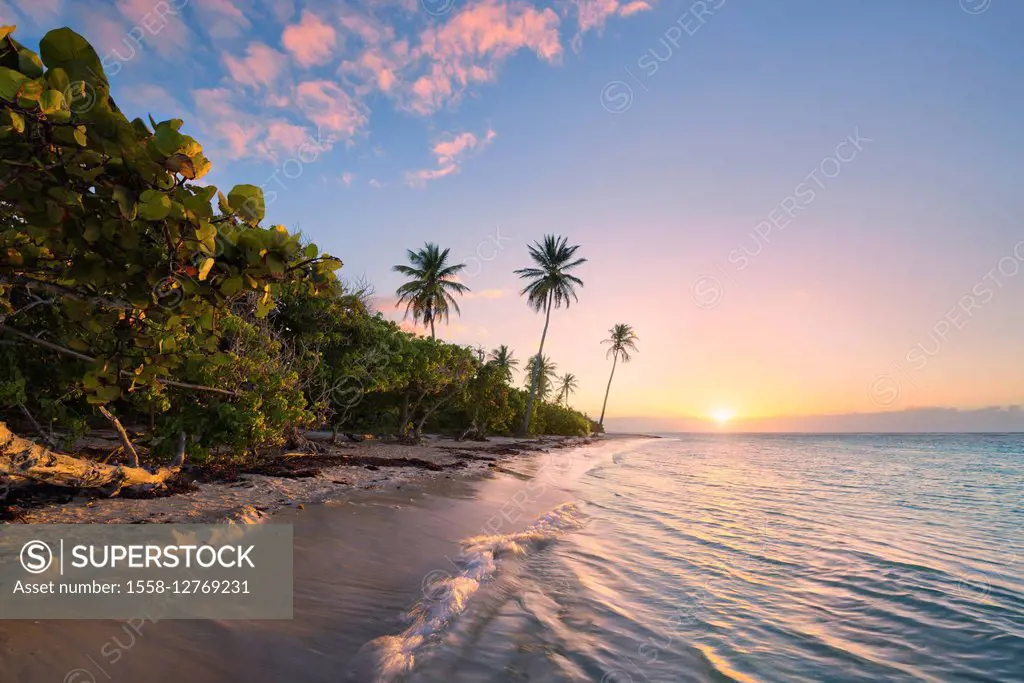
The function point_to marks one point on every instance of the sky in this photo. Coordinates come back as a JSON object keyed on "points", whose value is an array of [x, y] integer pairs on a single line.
{"points": [[804, 208]]}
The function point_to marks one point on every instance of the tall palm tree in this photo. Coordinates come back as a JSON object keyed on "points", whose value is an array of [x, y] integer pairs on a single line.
{"points": [[568, 385], [542, 374], [504, 359], [550, 285], [623, 341], [428, 294]]}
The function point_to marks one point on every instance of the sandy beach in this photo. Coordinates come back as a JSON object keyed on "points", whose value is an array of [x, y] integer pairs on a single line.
{"points": [[365, 551], [303, 478]]}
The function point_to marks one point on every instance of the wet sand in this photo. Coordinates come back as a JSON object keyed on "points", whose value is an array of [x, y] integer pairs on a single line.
{"points": [[362, 558]]}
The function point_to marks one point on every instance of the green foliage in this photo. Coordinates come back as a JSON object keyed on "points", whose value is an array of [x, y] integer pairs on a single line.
{"points": [[552, 418], [122, 283], [108, 248]]}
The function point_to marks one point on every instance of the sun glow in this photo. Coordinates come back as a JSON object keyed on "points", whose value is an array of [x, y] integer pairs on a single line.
{"points": [[722, 416]]}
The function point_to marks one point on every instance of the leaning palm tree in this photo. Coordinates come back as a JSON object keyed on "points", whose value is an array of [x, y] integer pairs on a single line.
{"points": [[623, 341], [567, 385], [504, 359], [542, 375], [550, 285], [428, 294]]}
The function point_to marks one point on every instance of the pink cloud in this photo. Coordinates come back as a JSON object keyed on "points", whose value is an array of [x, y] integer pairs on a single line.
{"points": [[282, 137], [108, 36], [42, 12], [470, 47], [165, 32], [241, 133], [151, 98], [222, 18], [377, 67], [633, 7], [593, 14], [261, 66], [347, 178], [311, 41], [283, 10], [450, 153], [331, 108], [367, 28], [225, 122]]}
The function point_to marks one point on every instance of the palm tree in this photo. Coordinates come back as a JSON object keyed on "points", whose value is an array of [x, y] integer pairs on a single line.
{"points": [[428, 294], [504, 359], [568, 385], [550, 286], [623, 341], [542, 374]]}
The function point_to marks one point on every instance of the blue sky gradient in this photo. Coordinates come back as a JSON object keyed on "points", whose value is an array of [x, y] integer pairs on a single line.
{"points": [[660, 193]]}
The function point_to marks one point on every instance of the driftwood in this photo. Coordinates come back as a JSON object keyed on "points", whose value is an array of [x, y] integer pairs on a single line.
{"points": [[20, 457]]}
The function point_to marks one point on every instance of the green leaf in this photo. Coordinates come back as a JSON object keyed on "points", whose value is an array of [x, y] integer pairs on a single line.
{"points": [[274, 264], [64, 48], [51, 101], [29, 63], [17, 121], [108, 393], [205, 320], [10, 82], [222, 204], [154, 206], [247, 200], [204, 270], [58, 80], [264, 307], [29, 93], [80, 137], [125, 202], [167, 140], [311, 251], [65, 196], [231, 286], [206, 233]]}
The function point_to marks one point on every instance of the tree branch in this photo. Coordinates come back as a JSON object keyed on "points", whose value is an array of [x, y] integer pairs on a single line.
{"points": [[88, 359], [68, 292]]}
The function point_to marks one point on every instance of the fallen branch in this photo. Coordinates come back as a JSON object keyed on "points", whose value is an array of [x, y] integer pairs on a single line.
{"points": [[47, 437], [126, 443], [20, 457]]}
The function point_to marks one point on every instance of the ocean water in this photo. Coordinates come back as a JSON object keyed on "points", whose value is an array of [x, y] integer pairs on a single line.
{"points": [[738, 558]]}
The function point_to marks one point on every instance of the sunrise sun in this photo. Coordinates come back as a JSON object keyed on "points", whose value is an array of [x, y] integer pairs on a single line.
{"points": [[722, 416]]}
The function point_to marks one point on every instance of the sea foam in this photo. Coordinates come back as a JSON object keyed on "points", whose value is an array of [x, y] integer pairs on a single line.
{"points": [[390, 658]]}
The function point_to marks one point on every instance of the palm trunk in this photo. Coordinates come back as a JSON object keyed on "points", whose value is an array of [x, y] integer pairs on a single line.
{"points": [[536, 367], [432, 335], [615, 359]]}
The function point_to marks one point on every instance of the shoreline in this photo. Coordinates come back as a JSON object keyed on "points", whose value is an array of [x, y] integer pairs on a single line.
{"points": [[292, 480]]}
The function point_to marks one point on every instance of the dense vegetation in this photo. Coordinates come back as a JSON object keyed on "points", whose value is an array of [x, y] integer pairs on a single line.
{"points": [[131, 295]]}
